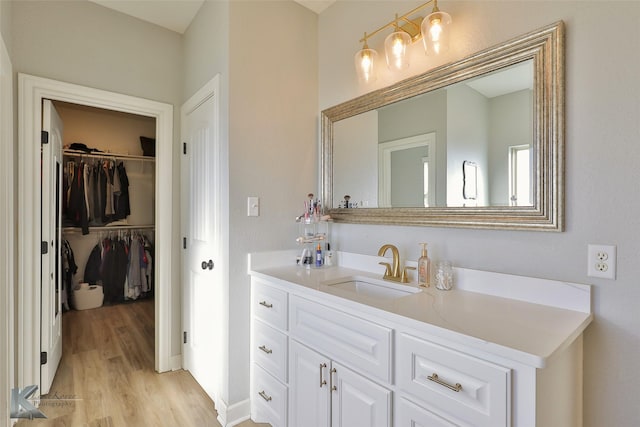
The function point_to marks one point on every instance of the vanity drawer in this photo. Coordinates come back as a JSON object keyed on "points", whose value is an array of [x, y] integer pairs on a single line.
{"points": [[409, 414], [270, 350], [358, 343], [269, 305], [431, 372], [268, 399]]}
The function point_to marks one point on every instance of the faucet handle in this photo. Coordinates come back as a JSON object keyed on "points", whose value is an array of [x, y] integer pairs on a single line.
{"points": [[404, 278], [387, 273]]}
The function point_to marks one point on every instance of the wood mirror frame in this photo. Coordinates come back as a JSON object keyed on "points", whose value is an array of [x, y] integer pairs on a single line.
{"points": [[546, 48]]}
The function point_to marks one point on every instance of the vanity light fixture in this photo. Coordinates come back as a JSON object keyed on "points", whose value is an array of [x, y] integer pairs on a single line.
{"points": [[366, 62], [395, 48], [434, 31]]}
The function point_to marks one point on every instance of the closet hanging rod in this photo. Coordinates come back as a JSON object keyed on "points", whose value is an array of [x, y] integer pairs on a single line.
{"points": [[77, 153], [108, 228]]}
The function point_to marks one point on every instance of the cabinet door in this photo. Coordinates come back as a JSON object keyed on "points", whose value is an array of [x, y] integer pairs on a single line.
{"points": [[308, 387], [357, 401]]}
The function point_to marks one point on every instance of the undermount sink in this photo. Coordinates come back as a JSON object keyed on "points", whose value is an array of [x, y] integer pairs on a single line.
{"points": [[372, 288]]}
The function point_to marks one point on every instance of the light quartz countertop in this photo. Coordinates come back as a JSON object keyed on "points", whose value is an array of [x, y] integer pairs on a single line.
{"points": [[513, 327]]}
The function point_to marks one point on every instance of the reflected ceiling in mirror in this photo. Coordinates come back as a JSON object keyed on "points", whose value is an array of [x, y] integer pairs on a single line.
{"points": [[476, 143]]}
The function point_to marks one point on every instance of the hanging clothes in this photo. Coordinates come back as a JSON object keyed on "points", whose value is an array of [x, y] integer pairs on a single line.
{"points": [[123, 266], [95, 193], [69, 269], [137, 272], [114, 270], [92, 271], [121, 193], [77, 206], [108, 206]]}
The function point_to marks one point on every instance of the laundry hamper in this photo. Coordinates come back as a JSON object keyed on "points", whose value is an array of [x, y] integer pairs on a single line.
{"points": [[88, 296]]}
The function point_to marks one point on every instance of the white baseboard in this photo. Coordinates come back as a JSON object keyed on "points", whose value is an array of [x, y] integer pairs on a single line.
{"points": [[229, 416], [175, 362]]}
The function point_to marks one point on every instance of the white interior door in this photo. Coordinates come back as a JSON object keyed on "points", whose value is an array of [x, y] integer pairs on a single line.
{"points": [[202, 294], [51, 280]]}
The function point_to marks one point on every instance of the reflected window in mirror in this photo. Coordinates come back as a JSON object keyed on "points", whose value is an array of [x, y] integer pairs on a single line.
{"points": [[520, 175]]}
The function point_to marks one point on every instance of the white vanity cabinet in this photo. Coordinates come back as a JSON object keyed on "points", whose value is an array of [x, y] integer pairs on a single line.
{"points": [[324, 391], [269, 355], [293, 384], [324, 358]]}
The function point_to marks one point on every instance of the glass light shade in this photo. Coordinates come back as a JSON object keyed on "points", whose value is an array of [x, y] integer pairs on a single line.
{"points": [[395, 49], [435, 30], [366, 62]]}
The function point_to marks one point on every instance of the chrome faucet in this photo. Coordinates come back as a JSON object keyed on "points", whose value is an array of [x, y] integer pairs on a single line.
{"points": [[393, 273]]}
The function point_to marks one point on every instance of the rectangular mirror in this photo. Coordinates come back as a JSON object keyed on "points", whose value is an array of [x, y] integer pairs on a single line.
{"points": [[476, 143]]}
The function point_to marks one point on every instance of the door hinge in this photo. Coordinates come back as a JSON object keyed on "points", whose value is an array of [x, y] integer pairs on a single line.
{"points": [[184, 243], [44, 137], [44, 248], [43, 357], [184, 337], [184, 148]]}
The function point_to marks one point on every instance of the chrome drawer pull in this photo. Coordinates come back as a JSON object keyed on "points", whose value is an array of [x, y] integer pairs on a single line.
{"points": [[264, 396], [322, 381], [265, 349], [437, 380], [266, 304]]}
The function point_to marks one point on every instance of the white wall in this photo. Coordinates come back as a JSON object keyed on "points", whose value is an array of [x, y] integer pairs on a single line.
{"points": [[268, 61], [7, 229], [602, 204], [272, 152], [5, 24], [355, 168], [467, 140], [100, 48]]}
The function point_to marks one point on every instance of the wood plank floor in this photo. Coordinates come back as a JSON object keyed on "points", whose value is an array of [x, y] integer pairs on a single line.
{"points": [[106, 377]]}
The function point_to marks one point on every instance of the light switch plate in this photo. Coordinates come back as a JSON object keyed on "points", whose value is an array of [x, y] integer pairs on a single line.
{"points": [[253, 206]]}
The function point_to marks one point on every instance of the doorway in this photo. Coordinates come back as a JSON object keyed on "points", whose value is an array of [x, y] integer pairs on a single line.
{"points": [[31, 92]]}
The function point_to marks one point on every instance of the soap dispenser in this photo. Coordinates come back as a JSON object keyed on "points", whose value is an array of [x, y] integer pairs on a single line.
{"points": [[424, 268]]}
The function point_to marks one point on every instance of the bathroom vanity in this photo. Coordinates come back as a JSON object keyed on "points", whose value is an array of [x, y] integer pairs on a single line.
{"points": [[338, 346]]}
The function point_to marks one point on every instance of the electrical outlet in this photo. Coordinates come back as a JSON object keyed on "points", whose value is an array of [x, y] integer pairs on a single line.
{"points": [[601, 261]]}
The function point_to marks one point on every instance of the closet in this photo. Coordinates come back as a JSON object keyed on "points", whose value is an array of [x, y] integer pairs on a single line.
{"points": [[108, 206]]}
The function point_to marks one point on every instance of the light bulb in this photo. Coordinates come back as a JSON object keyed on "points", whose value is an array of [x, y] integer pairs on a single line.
{"points": [[365, 61], [435, 32], [395, 48]]}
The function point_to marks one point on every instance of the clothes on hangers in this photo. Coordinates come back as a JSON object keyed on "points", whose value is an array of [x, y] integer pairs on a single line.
{"points": [[96, 193], [123, 266], [69, 269], [76, 206]]}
